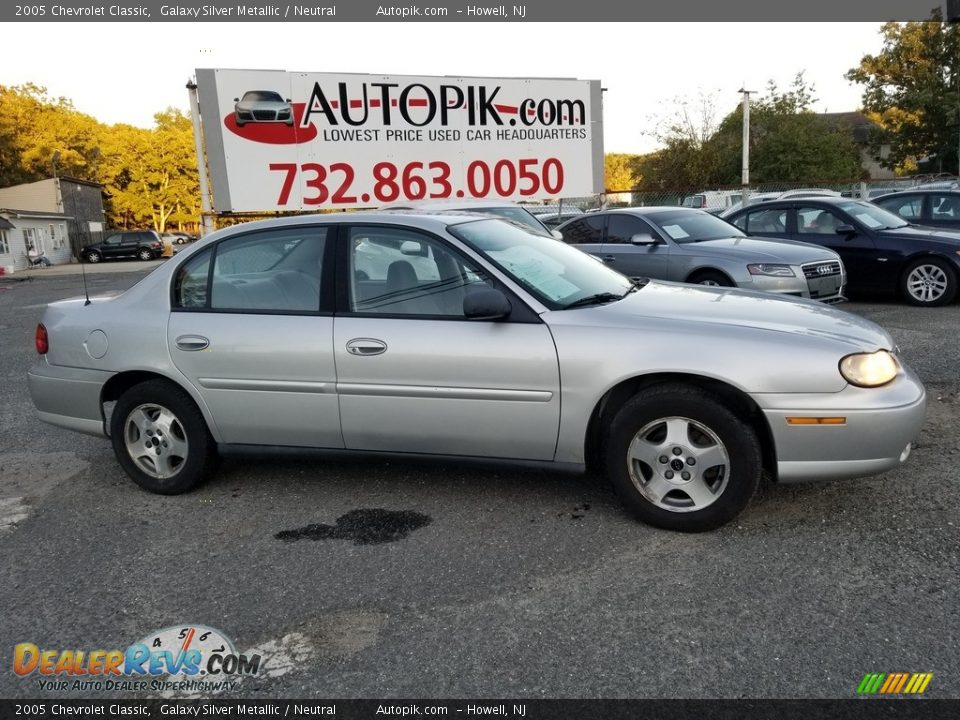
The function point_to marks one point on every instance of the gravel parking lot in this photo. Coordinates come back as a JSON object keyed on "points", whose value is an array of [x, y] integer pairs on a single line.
{"points": [[484, 580]]}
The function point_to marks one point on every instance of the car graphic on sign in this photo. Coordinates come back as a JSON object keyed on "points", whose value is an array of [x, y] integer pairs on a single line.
{"points": [[262, 106]]}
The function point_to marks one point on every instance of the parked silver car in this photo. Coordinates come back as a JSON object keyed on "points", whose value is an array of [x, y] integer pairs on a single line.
{"points": [[498, 208], [689, 245], [478, 338]]}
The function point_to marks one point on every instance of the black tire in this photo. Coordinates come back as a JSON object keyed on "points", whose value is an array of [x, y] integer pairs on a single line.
{"points": [[93, 256], [727, 488], [713, 278], [929, 282], [166, 415], [145, 254]]}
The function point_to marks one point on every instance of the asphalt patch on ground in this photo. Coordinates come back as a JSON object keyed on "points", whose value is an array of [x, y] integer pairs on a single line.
{"points": [[364, 527]]}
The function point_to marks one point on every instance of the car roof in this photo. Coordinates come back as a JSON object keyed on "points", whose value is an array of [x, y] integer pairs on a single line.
{"points": [[789, 202], [442, 205], [648, 209], [434, 221], [918, 191]]}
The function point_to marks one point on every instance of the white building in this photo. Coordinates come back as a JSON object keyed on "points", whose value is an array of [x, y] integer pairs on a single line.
{"points": [[21, 230], [59, 215]]}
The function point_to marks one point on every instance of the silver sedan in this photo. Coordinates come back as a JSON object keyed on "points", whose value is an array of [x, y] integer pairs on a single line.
{"points": [[460, 335], [689, 245]]}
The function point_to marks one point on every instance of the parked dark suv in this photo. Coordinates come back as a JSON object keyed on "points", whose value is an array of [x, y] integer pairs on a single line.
{"points": [[139, 244]]}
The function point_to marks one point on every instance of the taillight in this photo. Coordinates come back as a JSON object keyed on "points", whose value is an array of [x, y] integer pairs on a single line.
{"points": [[40, 339]]}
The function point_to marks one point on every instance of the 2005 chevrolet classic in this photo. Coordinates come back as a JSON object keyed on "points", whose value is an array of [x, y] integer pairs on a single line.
{"points": [[463, 335]]}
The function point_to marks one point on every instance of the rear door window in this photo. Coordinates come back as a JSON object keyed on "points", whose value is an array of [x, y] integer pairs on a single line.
{"points": [[909, 207], [588, 231], [622, 228]]}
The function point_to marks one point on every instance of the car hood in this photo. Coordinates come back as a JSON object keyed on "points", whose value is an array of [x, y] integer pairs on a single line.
{"points": [[263, 105], [678, 302], [760, 249], [948, 238]]}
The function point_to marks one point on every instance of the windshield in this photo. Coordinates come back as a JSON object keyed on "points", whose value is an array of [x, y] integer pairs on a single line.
{"points": [[517, 214], [875, 218], [555, 273], [693, 226], [261, 96]]}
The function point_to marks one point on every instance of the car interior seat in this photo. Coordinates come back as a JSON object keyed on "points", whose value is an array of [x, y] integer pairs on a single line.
{"points": [[402, 292]]}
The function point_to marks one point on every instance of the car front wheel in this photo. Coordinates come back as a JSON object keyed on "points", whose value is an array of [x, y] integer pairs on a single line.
{"points": [[161, 439], [712, 279], [681, 460], [929, 282], [93, 257]]}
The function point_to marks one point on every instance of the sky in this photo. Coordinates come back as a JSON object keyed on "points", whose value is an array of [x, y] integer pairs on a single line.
{"points": [[126, 72]]}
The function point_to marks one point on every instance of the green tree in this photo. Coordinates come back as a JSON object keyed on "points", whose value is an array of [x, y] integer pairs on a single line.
{"points": [[35, 129], [150, 176], [788, 141], [620, 171], [912, 89], [687, 159]]}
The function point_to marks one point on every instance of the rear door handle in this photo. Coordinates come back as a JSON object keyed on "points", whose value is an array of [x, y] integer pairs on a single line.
{"points": [[366, 346], [609, 258], [192, 342]]}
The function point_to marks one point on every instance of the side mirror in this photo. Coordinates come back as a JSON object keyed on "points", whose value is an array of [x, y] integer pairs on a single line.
{"points": [[288, 100], [486, 304], [413, 247], [557, 235], [845, 229], [643, 239]]}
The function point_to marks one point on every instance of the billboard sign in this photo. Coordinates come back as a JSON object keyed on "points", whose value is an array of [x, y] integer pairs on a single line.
{"points": [[277, 140]]}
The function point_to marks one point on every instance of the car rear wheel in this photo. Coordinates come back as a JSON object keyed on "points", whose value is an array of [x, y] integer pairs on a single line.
{"points": [[145, 254], [712, 278], [93, 256], [161, 439], [680, 459], [929, 282]]}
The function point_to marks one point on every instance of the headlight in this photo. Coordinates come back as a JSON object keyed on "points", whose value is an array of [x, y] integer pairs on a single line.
{"points": [[771, 269], [869, 369]]}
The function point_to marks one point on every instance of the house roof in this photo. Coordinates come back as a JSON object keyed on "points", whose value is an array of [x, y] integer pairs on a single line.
{"points": [[859, 124], [78, 181], [34, 214]]}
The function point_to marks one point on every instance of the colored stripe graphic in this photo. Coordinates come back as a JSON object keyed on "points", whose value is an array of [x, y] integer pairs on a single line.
{"points": [[894, 683]]}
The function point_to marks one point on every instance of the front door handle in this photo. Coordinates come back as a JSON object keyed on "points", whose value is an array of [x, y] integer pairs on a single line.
{"points": [[366, 346], [192, 343], [609, 258]]}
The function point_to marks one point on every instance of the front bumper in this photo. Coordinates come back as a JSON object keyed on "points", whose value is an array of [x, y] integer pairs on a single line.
{"points": [[880, 424], [829, 289], [68, 397]]}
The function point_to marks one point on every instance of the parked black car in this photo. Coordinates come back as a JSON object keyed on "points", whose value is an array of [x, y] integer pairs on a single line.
{"points": [[936, 208], [881, 251], [139, 244]]}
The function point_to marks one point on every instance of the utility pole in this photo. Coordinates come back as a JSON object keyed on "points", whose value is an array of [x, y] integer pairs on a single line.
{"points": [[206, 206], [745, 167]]}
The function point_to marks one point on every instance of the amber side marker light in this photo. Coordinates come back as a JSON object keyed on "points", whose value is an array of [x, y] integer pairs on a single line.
{"points": [[816, 421], [40, 339]]}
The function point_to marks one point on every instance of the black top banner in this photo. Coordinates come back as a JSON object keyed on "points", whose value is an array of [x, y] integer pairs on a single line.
{"points": [[81, 11]]}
